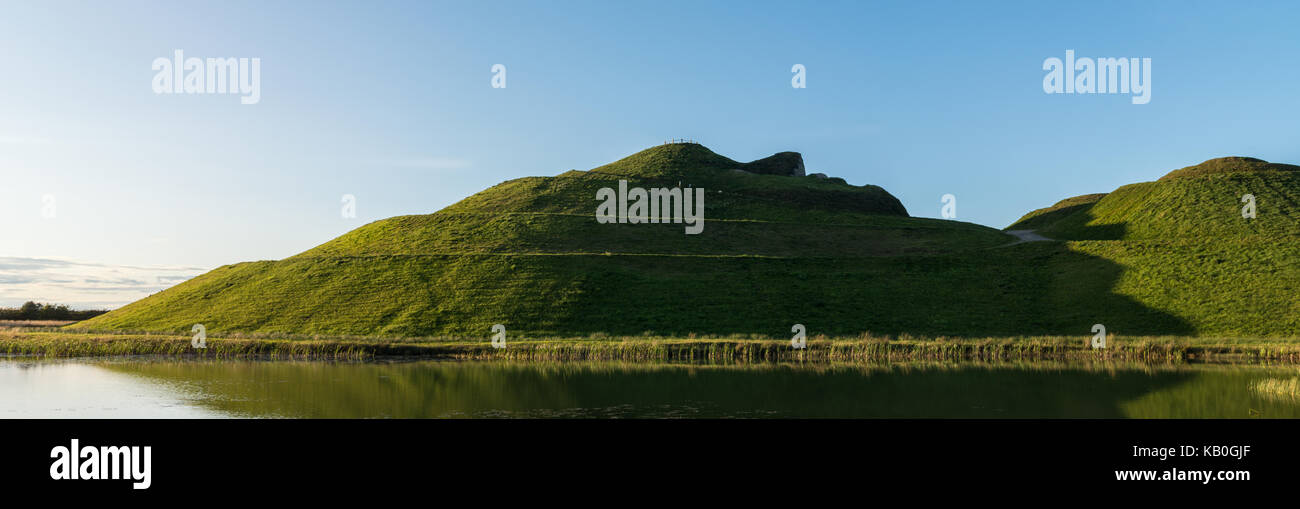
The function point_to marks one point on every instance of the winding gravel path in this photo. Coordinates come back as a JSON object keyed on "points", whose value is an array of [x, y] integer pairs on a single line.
{"points": [[1023, 236]]}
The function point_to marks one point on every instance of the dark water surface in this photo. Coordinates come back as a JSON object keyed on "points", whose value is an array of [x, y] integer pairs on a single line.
{"points": [[162, 388]]}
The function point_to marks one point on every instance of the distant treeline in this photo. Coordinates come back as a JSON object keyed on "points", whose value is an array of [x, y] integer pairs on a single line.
{"points": [[39, 311]]}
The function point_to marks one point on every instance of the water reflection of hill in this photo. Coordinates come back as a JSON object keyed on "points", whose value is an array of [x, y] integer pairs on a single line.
{"points": [[463, 389]]}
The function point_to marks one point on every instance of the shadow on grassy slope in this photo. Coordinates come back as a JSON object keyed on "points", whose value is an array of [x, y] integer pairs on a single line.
{"points": [[1079, 290], [1049, 289]]}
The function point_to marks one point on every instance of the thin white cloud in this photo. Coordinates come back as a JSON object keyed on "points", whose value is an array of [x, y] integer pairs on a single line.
{"points": [[83, 285]]}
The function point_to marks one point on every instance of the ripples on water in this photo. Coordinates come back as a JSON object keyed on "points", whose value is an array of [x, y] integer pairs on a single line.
{"points": [[162, 388]]}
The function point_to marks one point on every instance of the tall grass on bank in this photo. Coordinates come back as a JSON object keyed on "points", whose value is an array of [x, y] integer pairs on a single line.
{"points": [[739, 348], [81, 345], [874, 349], [1284, 389]]}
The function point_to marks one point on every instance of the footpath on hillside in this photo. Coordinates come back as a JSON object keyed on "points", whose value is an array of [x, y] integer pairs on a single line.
{"points": [[1023, 236]]}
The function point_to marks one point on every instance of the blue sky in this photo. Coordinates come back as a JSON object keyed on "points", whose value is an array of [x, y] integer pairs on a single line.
{"points": [[392, 103]]}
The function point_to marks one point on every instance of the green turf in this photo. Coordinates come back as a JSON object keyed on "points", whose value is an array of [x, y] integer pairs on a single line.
{"points": [[1183, 247], [775, 251], [1202, 202]]}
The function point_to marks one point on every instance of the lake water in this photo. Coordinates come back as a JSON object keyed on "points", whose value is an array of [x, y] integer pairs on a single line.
{"points": [[171, 388]]}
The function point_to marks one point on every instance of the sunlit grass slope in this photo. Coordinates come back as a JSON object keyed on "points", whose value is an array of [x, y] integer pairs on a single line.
{"points": [[1172, 257], [1202, 201], [1184, 248], [528, 253]]}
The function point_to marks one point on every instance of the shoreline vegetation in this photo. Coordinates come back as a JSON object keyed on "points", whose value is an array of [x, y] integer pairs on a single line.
{"points": [[46, 341]]}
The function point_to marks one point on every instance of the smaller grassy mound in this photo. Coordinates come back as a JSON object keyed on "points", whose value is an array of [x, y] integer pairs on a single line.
{"points": [[1197, 202]]}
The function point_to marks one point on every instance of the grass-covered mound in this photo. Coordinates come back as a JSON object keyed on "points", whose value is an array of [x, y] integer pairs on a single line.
{"points": [[776, 249], [1185, 249], [1202, 201], [1049, 290]]}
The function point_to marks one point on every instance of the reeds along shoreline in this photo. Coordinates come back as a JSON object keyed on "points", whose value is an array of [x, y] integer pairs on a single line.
{"points": [[872, 351], [1284, 389], [862, 349]]}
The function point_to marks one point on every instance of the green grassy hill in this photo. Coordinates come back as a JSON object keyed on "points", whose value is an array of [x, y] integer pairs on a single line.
{"points": [[777, 249], [1185, 248], [1195, 202]]}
